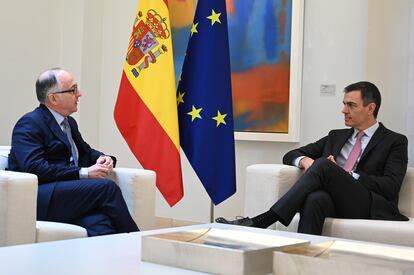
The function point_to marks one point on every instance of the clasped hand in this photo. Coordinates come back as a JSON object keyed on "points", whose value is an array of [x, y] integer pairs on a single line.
{"points": [[103, 166], [307, 162]]}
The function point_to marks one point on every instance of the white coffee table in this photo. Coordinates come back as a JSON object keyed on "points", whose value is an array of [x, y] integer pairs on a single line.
{"points": [[112, 254]]}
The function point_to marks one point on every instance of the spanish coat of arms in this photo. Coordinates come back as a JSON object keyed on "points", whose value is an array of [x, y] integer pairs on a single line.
{"points": [[144, 46]]}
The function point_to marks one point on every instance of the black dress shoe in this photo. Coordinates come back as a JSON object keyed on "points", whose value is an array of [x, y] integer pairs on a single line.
{"points": [[243, 221]]}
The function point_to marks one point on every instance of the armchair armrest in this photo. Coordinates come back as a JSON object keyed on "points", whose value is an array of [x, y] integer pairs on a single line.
{"points": [[138, 189], [18, 197], [265, 184]]}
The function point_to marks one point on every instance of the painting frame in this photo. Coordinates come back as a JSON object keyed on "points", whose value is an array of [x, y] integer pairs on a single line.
{"points": [[295, 85]]}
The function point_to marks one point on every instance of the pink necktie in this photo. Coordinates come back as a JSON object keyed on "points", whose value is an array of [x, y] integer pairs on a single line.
{"points": [[356, 151]]}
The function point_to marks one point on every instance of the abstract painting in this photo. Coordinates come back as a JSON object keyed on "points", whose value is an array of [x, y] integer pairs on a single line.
{"points": [[260, 40]]}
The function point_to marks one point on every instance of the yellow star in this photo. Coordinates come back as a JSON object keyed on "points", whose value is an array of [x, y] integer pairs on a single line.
{"points": [[214, 17], [195, 113], [220, 118], [180, 98], [194, 29]]}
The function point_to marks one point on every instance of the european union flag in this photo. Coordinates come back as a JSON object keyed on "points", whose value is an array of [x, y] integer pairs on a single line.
{"points": [[205, 103]]}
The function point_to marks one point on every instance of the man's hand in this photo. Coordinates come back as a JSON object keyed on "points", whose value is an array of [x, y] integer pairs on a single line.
{"points": [[306, 162], [103, 166], [331, 158], [105, 161], [98, 171]]}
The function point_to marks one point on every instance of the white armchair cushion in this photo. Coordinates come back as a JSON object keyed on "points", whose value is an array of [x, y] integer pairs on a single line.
{"points": [[406, 200], [3, 162], [18, 193], [54, 231], [265, 184], [4, 154], [138, 190], [392, 232]]}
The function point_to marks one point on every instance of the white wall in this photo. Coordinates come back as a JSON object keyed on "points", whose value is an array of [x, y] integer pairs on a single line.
{"points": [[29, 43], [391, 63], [90, 39], [388, 62]]}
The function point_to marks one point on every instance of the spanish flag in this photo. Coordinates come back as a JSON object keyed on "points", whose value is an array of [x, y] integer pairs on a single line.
{"points": [[146, 108]]}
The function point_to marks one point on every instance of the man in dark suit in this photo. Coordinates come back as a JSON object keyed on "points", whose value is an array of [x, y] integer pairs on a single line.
{"points": [[353, 173], [72, 184]]}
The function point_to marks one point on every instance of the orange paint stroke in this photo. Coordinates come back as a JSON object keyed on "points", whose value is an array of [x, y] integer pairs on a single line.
{"points": [[257, 89]]}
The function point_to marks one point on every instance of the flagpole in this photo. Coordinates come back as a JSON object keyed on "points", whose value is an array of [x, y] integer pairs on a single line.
{"points": [[211, 211]]}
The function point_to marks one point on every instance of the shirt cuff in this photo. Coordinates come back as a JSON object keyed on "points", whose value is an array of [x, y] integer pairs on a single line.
{"points": [[296, 161], [83, 173]]}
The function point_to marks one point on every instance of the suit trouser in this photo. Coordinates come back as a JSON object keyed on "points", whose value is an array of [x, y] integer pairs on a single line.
{"points": [[95, 204], [324, 190]]}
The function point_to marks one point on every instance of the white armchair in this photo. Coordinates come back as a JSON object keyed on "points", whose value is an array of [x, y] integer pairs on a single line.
{"points": [[266, 183], [18, 198]]}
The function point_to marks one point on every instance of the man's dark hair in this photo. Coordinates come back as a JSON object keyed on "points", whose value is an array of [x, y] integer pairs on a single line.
{"points": [[45, 83], [369, 93]]}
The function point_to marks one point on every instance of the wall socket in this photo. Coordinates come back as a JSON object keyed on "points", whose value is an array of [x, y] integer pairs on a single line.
{"points": [[328, 89]]}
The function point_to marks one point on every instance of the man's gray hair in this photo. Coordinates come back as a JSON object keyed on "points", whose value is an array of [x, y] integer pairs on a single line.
{"points": [[46, 83]]}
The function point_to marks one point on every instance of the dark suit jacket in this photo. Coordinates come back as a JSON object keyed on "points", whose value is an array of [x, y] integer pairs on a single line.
{"points": [[382, 166], [39, 146]]}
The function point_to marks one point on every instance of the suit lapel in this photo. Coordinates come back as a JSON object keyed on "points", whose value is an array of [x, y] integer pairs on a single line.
{"points": [[339, 144], [378, 135], [53, 125]]}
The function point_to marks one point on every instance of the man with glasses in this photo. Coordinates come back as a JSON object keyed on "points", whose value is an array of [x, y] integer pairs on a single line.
{"points": [[72, 184]]}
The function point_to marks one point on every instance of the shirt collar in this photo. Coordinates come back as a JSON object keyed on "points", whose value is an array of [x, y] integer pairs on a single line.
{"points": [[58, 117], [369, 132]]}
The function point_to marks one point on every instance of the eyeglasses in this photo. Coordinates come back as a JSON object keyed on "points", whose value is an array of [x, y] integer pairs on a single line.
{"points": [[72, 90]]}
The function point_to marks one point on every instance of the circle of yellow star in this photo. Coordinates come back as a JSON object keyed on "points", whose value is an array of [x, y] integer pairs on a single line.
{"points": [[220, 118], [195, 113], [214, 17], [194, 28], [180, 98]]}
